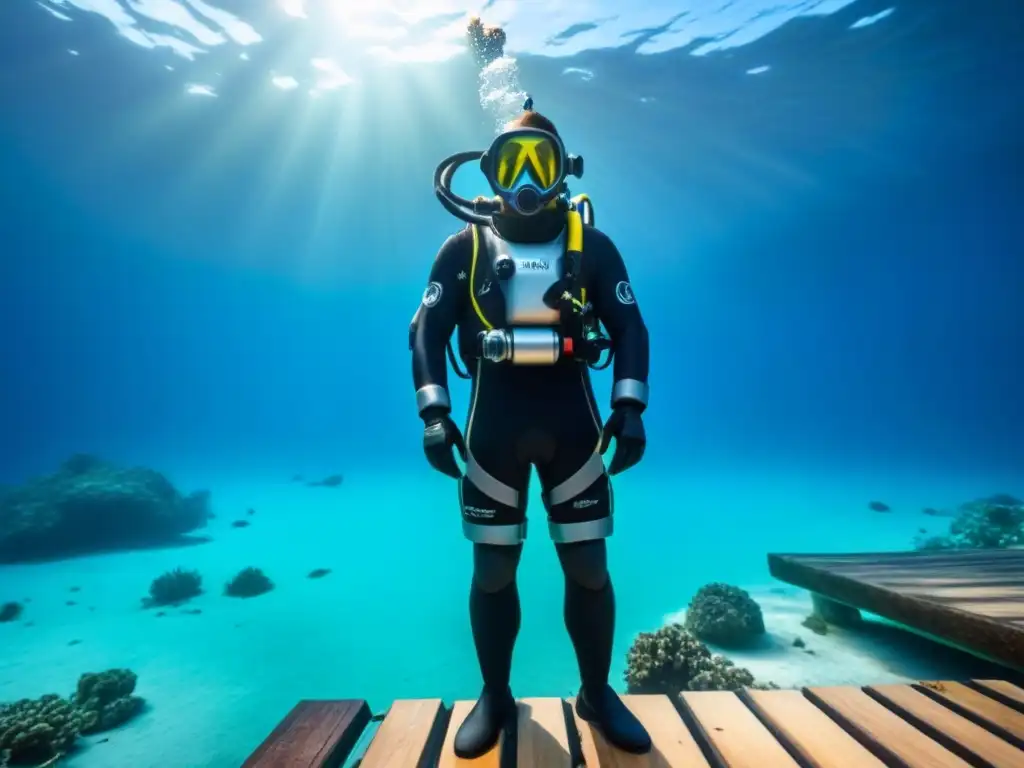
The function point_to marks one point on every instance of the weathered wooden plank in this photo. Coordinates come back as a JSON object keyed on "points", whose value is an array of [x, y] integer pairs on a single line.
{"points": [[956, 733], [819, 741], [404, 738], [315, 734], [1002, 720], [882, 731], [971, 599], [673, 744], [448, 757], [542, 738], [734, 732], [1006, 692]]}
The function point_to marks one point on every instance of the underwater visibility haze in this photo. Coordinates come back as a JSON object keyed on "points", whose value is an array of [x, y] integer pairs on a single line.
{"points": [[217, 220]]}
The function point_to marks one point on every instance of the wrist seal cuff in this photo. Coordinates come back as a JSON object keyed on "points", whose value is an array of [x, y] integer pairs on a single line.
{"points": [[631, 390], [432, 396]]}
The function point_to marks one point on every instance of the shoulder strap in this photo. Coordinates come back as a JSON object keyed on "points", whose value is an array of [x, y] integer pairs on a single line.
{"points": [[575, 283], [472, 278]]}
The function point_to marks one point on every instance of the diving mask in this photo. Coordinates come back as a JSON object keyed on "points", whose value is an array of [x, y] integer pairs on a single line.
{"points": [[527, 167]]}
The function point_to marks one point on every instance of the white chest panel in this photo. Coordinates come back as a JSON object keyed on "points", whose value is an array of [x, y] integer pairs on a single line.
{"points": [[538, 267]]}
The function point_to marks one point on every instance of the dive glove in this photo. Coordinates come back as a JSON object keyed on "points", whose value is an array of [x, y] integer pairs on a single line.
{"points": [[439, 436], [627, 427]]}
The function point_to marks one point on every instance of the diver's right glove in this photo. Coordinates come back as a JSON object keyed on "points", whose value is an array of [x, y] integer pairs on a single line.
{"points": [[440, 435]]}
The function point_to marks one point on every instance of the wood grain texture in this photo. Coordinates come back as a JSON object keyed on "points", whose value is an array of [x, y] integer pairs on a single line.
{"points": [[972, 599], [672, 743], [542, 738], [989, 711], [813, 734], [315, 734], [1007, 692], [734, 731], [403, 737], [882, 728], [958, 734]]}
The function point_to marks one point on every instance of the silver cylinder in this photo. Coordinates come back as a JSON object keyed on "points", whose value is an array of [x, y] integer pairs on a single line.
{"points": [[522, 346], [496, 345]]}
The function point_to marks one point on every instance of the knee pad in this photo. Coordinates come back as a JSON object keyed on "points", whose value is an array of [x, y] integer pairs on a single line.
{"points": [[585, 563], [494, 566]]}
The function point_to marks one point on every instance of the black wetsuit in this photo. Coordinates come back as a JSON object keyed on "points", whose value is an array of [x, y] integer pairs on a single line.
{"points": [[543, 416]]}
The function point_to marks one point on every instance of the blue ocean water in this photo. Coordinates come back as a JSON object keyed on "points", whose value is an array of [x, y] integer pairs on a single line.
{"points": [[217, 222]]}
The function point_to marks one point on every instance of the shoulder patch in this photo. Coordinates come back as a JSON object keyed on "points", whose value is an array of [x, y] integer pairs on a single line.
{"points": [[432, 294], [624, 293]]}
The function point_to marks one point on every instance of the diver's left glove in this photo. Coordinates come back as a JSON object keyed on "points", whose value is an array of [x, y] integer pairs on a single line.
{"points": [[440, 435], [626, 425]]}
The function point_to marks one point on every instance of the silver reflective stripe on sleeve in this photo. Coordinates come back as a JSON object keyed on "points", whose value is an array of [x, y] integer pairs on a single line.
{"points": [[501, 535], [430, 396], [582, 479], [489, 485], [568, 533], [630, 389]]}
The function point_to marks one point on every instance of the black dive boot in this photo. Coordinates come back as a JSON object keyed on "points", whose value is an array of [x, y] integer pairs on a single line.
{"points": [[493, 711], [495, 620], [604, 710], [590, 619]]}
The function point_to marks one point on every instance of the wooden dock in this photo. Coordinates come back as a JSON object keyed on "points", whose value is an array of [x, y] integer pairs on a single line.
{"points": [[972, 599], [976, 724]]}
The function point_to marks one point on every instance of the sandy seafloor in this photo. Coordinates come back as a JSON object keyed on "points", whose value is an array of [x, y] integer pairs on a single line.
{"points": [[390, 621]]}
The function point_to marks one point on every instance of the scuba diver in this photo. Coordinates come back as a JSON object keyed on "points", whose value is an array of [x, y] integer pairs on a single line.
{"points": [[527, 285]]}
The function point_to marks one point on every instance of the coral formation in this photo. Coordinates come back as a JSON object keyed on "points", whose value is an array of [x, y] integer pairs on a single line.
{"points": [[486, 42], [10, 611], [106, 699], [249, 582], [174, 587], [33, 731], [90, 505], [40, 731], [816, 624], [991, 523], [671, 660], [724, 615]]}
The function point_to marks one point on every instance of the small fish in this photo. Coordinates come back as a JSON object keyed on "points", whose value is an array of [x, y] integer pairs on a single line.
{"points": [[75, 589], [879, 506], [74, 642], [297, 478], [332, 481], [936, 512], [922, 530], [318, 573], [70, 602], [251, 511], [240, 524]]}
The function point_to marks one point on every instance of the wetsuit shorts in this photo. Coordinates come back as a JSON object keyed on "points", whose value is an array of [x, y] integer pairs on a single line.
{"points": [[520, 418]]}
